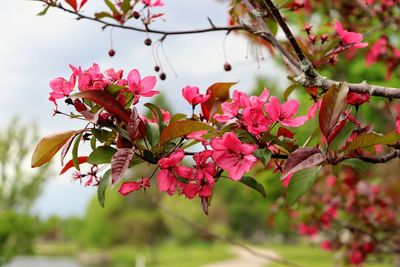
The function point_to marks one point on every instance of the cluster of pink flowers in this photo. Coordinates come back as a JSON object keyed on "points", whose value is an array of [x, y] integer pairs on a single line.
{"points": [[361, 202], [258, 114], [385, 52], [94, 79], [226, 153]]}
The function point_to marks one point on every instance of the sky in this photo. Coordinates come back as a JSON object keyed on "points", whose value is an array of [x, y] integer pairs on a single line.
{"points": [[34, 50]]}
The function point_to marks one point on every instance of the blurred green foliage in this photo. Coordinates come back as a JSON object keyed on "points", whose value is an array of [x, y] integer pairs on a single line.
{"points": [[18, 190]]}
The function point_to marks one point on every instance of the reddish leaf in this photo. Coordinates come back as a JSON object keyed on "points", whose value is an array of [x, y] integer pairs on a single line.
{"points": [[182, 128], [67, 146], [48, 147], [219, 93], [83, 3], [120, 163], [302, 158], [70, 164], [106, 100], [332, 106], [73, 4], [338, 127], [133, 125]]}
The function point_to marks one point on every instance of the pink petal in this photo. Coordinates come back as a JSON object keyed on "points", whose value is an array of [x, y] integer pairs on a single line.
{"points": [[294, 122], [133, 78], [273, 108], [290, 107], [147, 84], [338, 27], [128, 187]]}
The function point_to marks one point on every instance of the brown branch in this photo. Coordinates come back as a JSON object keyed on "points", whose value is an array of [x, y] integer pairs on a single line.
{"points": [[281, 21], [310, 77], [381, 159], [213, 28], [264, 32]]}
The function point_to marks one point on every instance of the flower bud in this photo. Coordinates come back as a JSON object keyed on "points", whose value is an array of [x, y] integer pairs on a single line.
{"points": [[147, 42], [227, 67], [111, 52]]}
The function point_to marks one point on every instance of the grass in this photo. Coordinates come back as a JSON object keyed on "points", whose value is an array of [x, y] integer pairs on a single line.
{"points": [[309, 256], [166, 255]]}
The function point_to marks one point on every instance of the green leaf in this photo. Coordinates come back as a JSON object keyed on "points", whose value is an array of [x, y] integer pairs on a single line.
{"points": [[48, 147], [272, 25], [102, 155], [102, 15], [316, 133], [366, 140], [182, 128], [44, 11], [178, 117], [252, 183], [126, 6], [93, 142], [289, 90], [153, 134], [114, 88], [75, 151], [332, 106], [111, 6], [157, 113], [264, 155], [101, 189], [356, 164], [102, 135], [344, 134], [300, 183]]}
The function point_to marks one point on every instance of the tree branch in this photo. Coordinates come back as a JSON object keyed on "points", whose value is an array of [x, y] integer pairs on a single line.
{"points": [[310, 77], [382, 159], [213, 28]]}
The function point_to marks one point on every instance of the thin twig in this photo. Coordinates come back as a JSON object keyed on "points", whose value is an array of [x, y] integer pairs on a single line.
{"points": [[147, 29]]}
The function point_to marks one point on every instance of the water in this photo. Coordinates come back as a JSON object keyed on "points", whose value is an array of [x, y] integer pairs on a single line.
{"points": [[42, 262]]}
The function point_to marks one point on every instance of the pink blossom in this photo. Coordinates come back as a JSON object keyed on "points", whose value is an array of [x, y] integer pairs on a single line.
{"points": [[205, 169], [255, 120], [326, 245], [153, 3], [241, 100], [312, 111], [284, 113], [253, 102], [141, 87], [192, 95], [377, 49], [114, 76], [349, 38], [398, 123], [128, 187], [90, 79], [232, 155], [166, 177], [356, 257], [61, 87], [198, 136]]}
